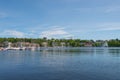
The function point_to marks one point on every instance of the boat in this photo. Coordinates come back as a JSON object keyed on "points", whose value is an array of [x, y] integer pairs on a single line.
{"points": [[14, 48]]}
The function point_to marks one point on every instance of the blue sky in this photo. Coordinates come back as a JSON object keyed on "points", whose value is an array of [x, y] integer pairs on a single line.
{"points": [[84, 19]]}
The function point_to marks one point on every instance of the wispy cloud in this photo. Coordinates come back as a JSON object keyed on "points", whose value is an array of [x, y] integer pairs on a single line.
{"points": [[13, 33], [109, 26], [55, 33]]}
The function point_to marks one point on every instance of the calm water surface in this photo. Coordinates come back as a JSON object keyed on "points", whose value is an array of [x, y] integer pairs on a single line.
{"points": [[61, 64]]}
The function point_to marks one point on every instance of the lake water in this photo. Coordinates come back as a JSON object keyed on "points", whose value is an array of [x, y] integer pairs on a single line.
{"points": [[61, 64]]}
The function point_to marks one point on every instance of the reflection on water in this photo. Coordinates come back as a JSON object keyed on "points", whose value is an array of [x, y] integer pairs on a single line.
{"points": [[99, 63], [114, 51]]}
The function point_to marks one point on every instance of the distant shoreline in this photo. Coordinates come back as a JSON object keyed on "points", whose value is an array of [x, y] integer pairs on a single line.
{"points": [[44, 42]]}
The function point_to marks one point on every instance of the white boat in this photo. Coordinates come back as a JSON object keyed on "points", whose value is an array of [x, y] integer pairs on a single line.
{"points": [[15, 48]]}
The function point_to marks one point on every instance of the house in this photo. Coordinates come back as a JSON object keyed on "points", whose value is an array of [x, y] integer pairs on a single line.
{"points": [[62, 44], [88, 44], [44, 44]]}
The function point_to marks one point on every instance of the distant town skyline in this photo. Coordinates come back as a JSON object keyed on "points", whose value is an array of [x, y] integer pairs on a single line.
{"points": [[83, 19]]}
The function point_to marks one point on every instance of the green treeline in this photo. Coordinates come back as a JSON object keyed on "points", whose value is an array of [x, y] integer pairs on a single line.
{"points": [[65, 42], [114, 43]]}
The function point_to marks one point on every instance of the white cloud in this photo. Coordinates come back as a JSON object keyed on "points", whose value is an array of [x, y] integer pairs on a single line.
{"points": [[109, 26], [55, 33], [12, 33]]}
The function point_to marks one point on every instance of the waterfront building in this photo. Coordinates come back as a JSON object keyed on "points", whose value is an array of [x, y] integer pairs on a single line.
{"points": [[44, 44], [62, 44]]}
